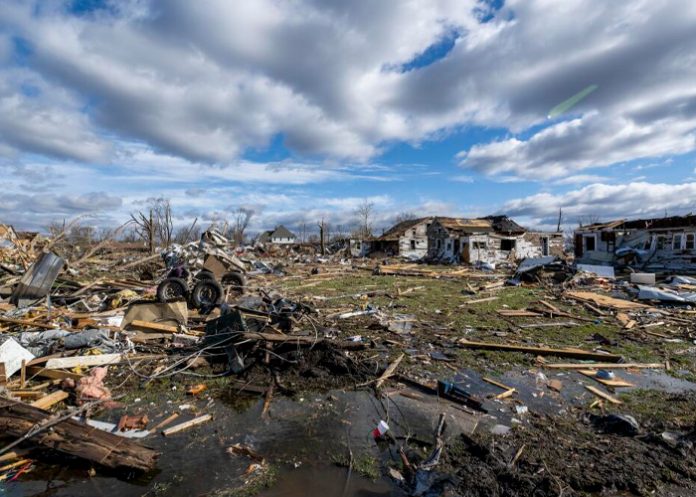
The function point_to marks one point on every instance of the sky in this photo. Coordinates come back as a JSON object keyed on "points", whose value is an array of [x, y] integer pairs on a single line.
{"points": [[304, 109]]}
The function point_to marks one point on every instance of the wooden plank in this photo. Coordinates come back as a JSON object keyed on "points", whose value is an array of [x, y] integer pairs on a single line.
{"points": [[605, 300], [615, 383], [496, 383], [505, 394], [389, 371], [52, 374], [27, 322], [479, 301], [186, 425], [50, 399], [574, 353], [604, 365], [518, 313], [149, 326], [83, 361], [164, 422], [603, 395]]}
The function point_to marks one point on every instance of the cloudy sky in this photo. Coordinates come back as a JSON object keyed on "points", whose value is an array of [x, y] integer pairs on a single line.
{"points": [[300, 109]]}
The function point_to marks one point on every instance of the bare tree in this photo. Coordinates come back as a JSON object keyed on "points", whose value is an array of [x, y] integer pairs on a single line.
{"points": [[365, 214], [303, 230], [186, 234], [323, 231], [155, 225], [240, 220], [340, 232], [405, 216]]}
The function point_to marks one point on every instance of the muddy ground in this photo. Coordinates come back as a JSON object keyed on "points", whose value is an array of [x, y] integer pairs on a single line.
{"points": [[315, 437]]}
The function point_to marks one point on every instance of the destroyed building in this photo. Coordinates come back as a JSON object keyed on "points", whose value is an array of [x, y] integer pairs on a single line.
{"points": [[488, 240], [280, 235], [406, 239], [667, 243]]}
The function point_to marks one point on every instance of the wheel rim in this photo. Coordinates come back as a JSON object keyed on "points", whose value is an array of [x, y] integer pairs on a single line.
{"points": [[207, 295], [172, 292]]}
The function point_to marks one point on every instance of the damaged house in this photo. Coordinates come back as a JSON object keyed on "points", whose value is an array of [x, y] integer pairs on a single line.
{"points": [[488, 240], [667, 243], [406, 239]]}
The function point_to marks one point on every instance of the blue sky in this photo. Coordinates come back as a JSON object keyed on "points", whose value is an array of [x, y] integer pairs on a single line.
{"points": [[304, 110]]}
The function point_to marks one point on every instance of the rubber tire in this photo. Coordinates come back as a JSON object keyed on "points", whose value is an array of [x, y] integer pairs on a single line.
{"points": [[205, 275], [207, 285], [172, 284], [234, 280]]}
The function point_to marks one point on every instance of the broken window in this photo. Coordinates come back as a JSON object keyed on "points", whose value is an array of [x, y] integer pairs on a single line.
{"points": [[449, 245], [439, 243], [508, 245], [479, 245], [660, 242], [690, 241], [677, 242], [413, 245], [590, 243]]}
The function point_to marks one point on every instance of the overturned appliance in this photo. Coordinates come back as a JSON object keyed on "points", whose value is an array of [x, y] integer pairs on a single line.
{"points": [[38, 280]]}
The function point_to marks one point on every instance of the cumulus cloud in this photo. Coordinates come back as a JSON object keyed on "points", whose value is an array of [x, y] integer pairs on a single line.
{"points": [[208, 80], [637, 199]]}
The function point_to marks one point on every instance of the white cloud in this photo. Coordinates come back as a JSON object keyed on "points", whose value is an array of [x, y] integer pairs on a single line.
{"points": [[631, 200]]}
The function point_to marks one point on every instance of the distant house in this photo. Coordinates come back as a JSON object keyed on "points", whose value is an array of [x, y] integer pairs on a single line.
{"points": [[488, 239], [667, 243], [280, 235], [406, 239]]}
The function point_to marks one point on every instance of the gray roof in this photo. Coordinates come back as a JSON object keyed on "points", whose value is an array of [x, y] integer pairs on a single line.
{"points": [[282, 232]]}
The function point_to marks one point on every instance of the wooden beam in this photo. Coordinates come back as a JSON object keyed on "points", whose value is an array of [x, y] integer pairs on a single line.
{"points": [[186, 425], [83, 361], [52, 374], [605, 365], [574, 353], [27, 322], [603, 395], [50, 399], [75, 438], [149, 326]]}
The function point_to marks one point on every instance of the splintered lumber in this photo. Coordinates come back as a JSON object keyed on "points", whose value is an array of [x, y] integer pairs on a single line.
{"points": [[389, 371], [74, 438], [48, 400], [605, 365], [83, 361], [51, 373], [187, 424], [149, 326], [574, 353], [496, 383], [519, 314], [603, 395], [164, 422], [605, 301], [26, 322], [479, 301]]}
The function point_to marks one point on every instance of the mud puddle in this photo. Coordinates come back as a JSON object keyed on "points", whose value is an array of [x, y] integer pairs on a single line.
{"points": [[305, 443]]}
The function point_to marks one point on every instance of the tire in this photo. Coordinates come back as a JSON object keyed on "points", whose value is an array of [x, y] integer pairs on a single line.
{"points": [[206, 293], [172, 289], [235, 282], [205, 275]]}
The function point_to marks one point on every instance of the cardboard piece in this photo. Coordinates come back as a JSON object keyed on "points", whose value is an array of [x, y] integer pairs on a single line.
{"points": [[170, 313]]}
